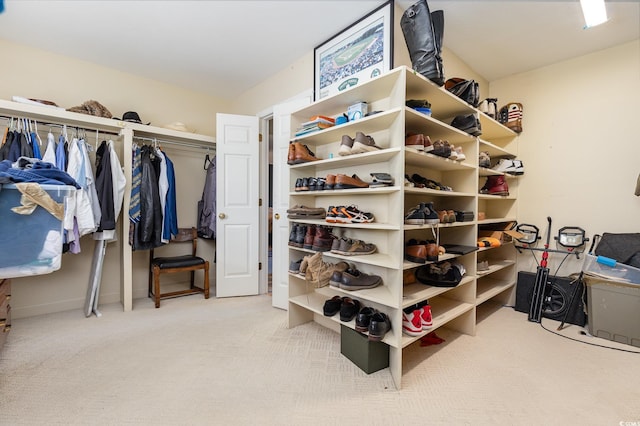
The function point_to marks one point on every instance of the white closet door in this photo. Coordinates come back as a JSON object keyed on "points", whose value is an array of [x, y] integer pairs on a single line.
{"points": [[237, 193]]}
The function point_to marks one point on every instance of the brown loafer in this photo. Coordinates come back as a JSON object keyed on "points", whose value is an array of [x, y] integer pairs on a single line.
{"points": [[303, 154], [346, 182]]}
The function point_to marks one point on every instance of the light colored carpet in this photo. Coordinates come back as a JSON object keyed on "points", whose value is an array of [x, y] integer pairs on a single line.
{"points": [[234, 362]]}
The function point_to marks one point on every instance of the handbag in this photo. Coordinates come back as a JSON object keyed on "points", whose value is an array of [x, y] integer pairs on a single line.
{"points": [[467, 90]]}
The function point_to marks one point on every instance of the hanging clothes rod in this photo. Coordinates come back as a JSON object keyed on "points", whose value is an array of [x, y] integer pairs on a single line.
{"points": [[190, 145], [41, 123]]}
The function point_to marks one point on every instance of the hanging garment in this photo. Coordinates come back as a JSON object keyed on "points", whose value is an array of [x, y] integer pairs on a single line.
{"points": [[207, 205], [170, 223], [25, 145], [14, 147], [6, 144], [136, 181], [61, 153], [163, 188], [84, 207], [147, 233], [50, 151], [35, 146], [110, 185]]}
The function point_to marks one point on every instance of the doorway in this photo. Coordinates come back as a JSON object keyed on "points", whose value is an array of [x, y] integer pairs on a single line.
{"points": [[266, 195]]}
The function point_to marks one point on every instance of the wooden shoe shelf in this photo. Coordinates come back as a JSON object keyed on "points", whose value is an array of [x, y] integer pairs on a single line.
{"points": [[453, 308]]}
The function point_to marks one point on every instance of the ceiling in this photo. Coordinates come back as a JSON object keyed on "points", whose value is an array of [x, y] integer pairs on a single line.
{"points": [[224, 48]]}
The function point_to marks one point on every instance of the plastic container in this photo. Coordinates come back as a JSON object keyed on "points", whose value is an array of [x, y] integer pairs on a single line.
{"points": [[607, 268], [613, 299], [30, 244]]}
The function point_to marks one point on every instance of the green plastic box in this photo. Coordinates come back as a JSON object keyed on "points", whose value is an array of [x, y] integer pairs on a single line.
{"points": [[367, 355]]}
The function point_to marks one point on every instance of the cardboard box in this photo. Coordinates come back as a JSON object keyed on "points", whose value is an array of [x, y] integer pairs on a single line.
{"points": [[367, 355], [357, 111], [503, 236], [503, 232]]}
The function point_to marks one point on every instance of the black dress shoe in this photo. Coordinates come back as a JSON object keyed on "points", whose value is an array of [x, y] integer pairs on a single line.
{"points": [[349, 309], [332, 306], [378, 326], [363, 319]]}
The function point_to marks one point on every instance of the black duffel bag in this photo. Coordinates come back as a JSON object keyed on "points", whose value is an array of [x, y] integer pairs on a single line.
{"points": [[624, 248], [467, 90]]}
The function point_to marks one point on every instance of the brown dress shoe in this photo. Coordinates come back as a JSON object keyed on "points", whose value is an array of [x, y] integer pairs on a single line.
{"points": [[303, 154], [330, 181], [432, 252], [345, 182], [291, 156], [416, 253], [414, 141]]}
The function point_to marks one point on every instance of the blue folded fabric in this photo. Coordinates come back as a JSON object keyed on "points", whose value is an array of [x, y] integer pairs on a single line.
{"points": [[39, 172]]}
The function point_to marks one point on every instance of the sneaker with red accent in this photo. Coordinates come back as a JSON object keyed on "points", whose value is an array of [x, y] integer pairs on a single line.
{"points": [[411, 323], [426, 317]]}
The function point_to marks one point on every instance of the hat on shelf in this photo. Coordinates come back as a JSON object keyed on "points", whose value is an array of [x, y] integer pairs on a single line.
{"points": [[176, 125], [92, 107], [132, 117]]}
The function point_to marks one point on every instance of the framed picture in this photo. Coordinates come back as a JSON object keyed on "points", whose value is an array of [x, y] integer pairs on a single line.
{"points": [[355, 55]]}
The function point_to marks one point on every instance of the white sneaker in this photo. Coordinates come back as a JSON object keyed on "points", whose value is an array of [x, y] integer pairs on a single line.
{"points": [[461, 156], [519, 167], [412, 323], [504, 166]]}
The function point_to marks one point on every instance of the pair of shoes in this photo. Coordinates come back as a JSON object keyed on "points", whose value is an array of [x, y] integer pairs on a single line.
{"points": [[352, 279], [317, 271], [457, 154], [416, 319], [299, 154], [347, 182], [441, 148], [418, 141], [349, 247], [317, 238], [469, 123], [381, 179], [348, 214], [421, 251], [310, 184], [361, 143], [483, 265], [512, 167], [297, 234], [447, 216], [294, 266], [422, 214], [347, 307], [484, 159], [422, 182], [495, 185], [443, 274], [304, 212]]}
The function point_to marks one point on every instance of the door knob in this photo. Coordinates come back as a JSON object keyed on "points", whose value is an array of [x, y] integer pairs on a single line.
{"points": [[277, 216], [222, 215]]}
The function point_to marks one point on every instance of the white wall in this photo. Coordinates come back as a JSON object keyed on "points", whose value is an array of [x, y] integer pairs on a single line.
{"points": [[580, 143]]}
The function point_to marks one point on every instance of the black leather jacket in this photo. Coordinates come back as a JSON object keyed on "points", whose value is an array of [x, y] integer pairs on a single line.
{"points": [[148, 232]]}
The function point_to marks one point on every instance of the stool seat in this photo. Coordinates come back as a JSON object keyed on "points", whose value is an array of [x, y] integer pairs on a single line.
{"points": [[174, 264], [177, 261]]}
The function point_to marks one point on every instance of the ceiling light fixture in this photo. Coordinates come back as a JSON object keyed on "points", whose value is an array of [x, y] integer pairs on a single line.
{"points": [[594, 12]]}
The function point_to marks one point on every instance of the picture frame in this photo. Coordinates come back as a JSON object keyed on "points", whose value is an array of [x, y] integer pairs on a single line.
{"points": [[356, 54]]}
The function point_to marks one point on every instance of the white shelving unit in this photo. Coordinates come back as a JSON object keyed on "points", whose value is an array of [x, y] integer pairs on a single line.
{"points": [[451, 307]]}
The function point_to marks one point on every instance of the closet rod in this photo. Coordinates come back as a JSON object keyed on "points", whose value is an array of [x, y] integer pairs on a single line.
{"points": [[104, 132], [191, 145]]}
